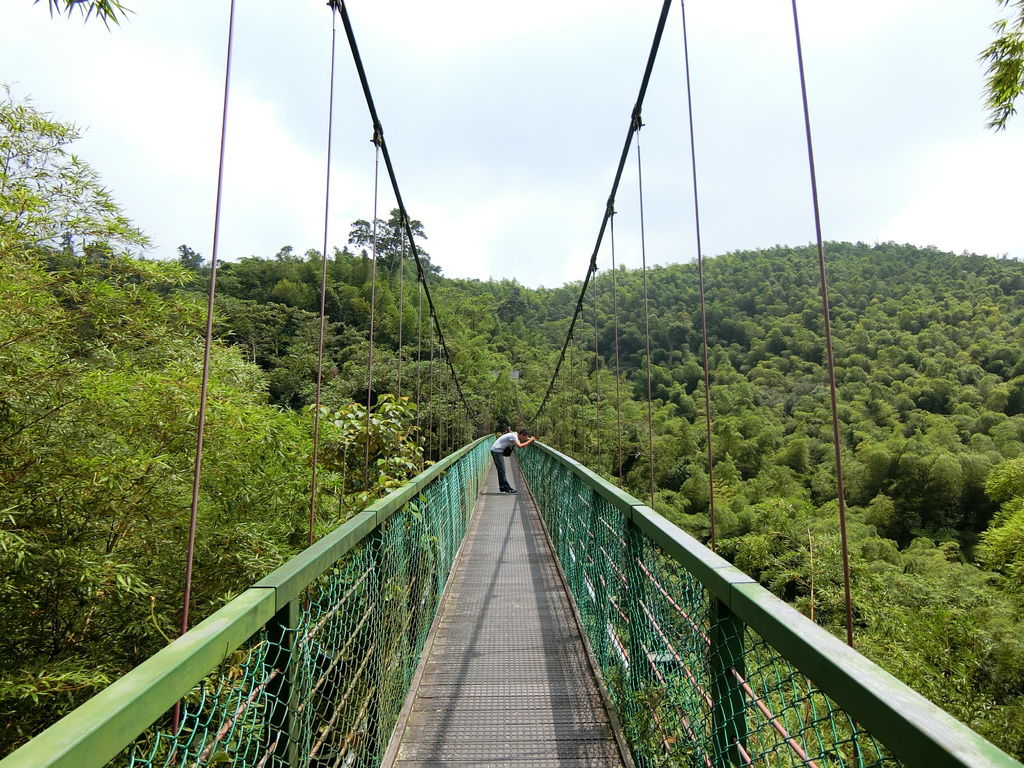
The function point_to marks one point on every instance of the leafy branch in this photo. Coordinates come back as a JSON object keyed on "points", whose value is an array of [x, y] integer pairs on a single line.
{"points": [[1005, 59], [106, 11]]}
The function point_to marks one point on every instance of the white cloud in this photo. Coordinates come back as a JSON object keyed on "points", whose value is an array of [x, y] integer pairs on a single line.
{"points": [[965, 196], [505, 123], [500, 236]]}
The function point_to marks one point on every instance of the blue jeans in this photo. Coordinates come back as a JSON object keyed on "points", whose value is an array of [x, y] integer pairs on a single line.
{"points": [[499, 464]]}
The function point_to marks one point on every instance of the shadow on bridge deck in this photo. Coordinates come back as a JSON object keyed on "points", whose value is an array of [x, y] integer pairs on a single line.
{"points": [[505, 678]]}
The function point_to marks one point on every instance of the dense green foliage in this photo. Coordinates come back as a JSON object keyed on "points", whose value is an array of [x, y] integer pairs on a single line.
{"points": [[100, 357], [100, 364]]}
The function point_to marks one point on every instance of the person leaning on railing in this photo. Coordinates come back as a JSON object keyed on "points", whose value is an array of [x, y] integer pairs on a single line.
{"points": [[503, 447]]}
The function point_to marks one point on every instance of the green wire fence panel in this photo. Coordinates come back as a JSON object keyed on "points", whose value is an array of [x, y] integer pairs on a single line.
{"points": [[682, 640], [319, 681]]}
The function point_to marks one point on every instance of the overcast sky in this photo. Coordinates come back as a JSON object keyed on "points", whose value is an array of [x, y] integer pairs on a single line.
{"points": [[505, 123]]}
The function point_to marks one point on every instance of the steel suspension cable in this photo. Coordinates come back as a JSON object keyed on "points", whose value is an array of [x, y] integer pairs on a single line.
{"points": [[450, 432], [583, 399], [441, 393], [823, 285], [700, 276], [597, 386], [430, 392], [446, 429], [401, 309], [373, 312], [666, 4], [323, 286], [379, 133], [208, 340], [419, 362], [515, 395], [197, 469], [647, 310], [575, 416], [618, 372]]}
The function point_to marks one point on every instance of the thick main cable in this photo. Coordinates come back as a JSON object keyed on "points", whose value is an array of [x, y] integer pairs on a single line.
{"points": [[611, 198], [323, 286], [379, 131], [700, 276], [832, 388]]}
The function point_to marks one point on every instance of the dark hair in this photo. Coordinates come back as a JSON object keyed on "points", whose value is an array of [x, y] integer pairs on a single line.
{"points": [[524, 432]]}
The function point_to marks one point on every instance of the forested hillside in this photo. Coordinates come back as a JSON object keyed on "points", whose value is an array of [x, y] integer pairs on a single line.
{"points": [[929, 364], [100, 358]]}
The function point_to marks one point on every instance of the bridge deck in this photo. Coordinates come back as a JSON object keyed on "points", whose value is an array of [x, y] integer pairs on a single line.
{"points": [[506, 679]]}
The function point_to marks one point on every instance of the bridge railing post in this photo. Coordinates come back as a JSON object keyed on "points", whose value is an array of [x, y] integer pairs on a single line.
{"points": [[282, 731], [599, 583], [376, 739], [639, 666], [728, 719]]}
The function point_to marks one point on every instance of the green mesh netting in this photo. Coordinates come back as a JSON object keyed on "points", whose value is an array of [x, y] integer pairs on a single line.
{"points": [[692, 685], [322, 685]]}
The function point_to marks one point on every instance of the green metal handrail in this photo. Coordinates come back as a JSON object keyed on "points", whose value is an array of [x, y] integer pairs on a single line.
{"points": [[309, 666], [707, 668]]}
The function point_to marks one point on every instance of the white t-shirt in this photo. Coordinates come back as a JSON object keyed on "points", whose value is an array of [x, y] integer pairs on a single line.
{"points": [[509, 440]]}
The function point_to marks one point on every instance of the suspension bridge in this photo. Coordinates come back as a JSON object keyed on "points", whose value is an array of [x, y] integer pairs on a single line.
{"points": [[450, 624]]}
